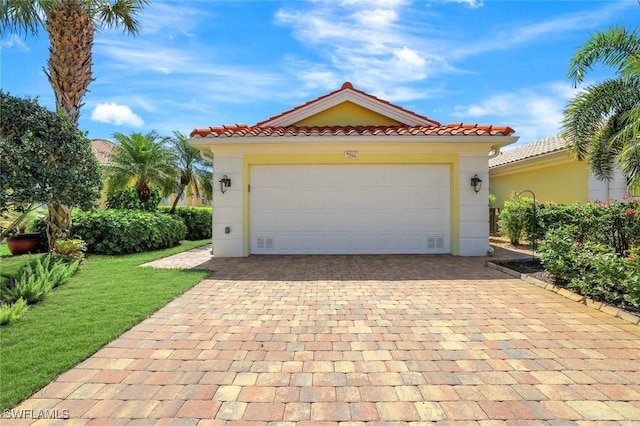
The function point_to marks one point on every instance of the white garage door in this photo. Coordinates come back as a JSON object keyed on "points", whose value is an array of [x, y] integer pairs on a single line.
{"points": [[324, 209]]}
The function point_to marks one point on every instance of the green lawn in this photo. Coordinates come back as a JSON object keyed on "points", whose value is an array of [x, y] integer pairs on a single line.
{"points": [[4, 250], [12, 264], [108, 296]]}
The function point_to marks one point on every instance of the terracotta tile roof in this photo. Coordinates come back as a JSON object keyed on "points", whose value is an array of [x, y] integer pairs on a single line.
{"points": [[534, 149], [453, 129], [102, 149], [346, 86]]}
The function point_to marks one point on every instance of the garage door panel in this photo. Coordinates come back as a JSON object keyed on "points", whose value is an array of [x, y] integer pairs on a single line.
{"points": [[350, 209]]}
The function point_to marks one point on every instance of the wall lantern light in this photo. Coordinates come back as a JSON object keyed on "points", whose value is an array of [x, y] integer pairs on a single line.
{"points": [[476, 183], [225, 183]]}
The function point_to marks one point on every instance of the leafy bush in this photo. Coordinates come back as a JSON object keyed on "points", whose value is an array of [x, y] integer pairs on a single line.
{"points": [[599, 272], [197, 220], [127, 231], [36, 279], [512, 219], [557, 253], [70, 249], [594, 249], [632, 279], [127, 199], [11, 312]]}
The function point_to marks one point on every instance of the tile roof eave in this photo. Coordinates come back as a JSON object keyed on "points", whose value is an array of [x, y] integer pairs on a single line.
{"points": [[453, 129], [493, 140], [520, 161]]}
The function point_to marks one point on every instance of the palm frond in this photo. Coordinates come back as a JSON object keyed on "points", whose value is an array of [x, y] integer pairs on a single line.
{"points": [[588, 112], [617, 47], [22, 17], [630, 159], [108, 14], [603, 151], [631, 129]]}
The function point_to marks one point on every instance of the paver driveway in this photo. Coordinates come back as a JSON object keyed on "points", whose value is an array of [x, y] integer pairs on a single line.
{"points": [[378, 339]]}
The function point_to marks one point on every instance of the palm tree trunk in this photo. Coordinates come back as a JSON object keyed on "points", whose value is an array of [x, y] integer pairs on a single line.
{"points": [[69, 72], [144, 194], [69, 67], [175, 201], [59, 222]]}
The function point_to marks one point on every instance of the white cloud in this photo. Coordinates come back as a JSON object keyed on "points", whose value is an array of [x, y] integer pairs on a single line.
{"points": [[14, 41], [408, 64], [376, 17], [143, 56], [510, 35], [370, 43], [534, 113], [113, 113], [474, 4]]}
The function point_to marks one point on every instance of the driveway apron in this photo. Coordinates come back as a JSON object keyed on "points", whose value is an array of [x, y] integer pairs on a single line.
{"points": [[367, 339]]}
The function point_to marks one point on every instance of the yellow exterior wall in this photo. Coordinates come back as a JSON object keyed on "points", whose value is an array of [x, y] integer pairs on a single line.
{"points": [[347, 114], [363, 158], [562, 182], [191, 201]]}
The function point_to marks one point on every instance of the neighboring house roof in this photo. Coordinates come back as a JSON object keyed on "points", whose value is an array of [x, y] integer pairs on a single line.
{"points": [[534, 149], [102, 149], [410, 123]]}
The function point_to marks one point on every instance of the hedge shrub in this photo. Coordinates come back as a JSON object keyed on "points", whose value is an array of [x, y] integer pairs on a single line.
{"points": [[614, 223], [594, 248], [127, 231], [127, 199], [197, 219]]}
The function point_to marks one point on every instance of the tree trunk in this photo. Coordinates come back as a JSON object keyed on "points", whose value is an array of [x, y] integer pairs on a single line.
{"points": [[69, 67], [175, 201], [70, 31], [59, 222], [144, 194]]}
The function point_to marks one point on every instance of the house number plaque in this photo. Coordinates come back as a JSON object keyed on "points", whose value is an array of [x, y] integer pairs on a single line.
{"points": [[351, 155]]}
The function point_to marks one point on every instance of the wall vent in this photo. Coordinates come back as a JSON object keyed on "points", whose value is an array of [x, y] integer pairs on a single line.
{"points": [[435, 242], [264, 242]]}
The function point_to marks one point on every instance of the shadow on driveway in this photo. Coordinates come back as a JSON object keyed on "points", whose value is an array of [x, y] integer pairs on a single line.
{"points": [[357, 267]]}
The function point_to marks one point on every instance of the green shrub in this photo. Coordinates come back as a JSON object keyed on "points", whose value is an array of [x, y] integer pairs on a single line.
{"points": [[594, 249], [600, 272], [197, 220], [127, 199], [616, 224], [127, 231], [36, 279], [512, 218], [11, 312], [632, 279], [70, 249], [557, 252]]}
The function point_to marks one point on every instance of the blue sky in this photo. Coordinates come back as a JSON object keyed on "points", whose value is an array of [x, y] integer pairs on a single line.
{"points": [[206, 63]]}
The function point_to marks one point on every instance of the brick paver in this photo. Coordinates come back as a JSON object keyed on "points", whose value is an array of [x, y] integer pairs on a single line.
{"points": [[361, 339]]}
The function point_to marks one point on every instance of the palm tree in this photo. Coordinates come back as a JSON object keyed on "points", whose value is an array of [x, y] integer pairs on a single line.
{"points": [[70, 25], [602, 123], [194, 172], [141, 161]]}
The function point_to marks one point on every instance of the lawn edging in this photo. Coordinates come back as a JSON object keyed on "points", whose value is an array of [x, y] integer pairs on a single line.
{"points": [[600, 306]]}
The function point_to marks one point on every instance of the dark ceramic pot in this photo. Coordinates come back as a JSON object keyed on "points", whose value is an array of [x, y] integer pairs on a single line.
{"points": [[29, 242]]}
